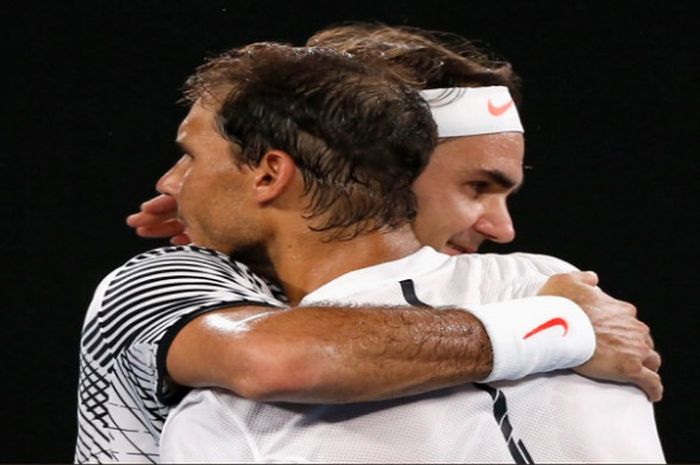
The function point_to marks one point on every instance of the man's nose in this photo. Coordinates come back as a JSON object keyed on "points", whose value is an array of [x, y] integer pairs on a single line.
{"points": [[171, 181], [496, 223]]}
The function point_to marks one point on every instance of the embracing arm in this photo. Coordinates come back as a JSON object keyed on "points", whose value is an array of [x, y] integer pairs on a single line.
{"points": [[340, 355], [330, 354], [313, 354]]}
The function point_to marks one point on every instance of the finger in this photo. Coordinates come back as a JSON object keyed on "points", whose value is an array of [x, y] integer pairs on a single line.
{"points": [[576, 277], [137, 219], [653, 361], [587, 277], [180, 239], [165, 229], [160, 204], [649, 341], [650, 382], [142, 218]]}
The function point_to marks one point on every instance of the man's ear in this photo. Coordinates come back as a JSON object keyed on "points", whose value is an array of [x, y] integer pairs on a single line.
{"points": [[275, 173]]}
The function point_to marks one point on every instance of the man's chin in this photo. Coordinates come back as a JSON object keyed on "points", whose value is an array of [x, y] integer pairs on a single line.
{"points": [[455, 249], [200, 240]]}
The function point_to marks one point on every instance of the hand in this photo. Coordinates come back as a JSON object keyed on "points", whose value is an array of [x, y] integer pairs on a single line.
{"points": [[624, 348], [158, 218]]}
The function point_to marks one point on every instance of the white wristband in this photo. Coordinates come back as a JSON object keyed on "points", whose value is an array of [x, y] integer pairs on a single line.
{"points": [[534, 335]]}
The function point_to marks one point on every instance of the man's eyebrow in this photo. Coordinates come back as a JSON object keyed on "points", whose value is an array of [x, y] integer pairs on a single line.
{"points": [[502, 179]]}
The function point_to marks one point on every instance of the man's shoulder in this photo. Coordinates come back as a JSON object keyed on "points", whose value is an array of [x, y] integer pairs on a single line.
{"points": [[185, 253], [547, 264], [181, 272], [517, 262], [187, 261]]}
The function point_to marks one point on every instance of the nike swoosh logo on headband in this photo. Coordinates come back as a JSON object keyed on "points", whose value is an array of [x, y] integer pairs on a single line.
{"points": [[549, 324], [499, 110]]}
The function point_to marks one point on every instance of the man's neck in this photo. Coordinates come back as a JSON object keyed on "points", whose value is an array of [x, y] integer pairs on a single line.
{"points": [[305, 263]]}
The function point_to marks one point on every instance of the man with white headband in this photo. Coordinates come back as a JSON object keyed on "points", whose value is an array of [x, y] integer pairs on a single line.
{"points": [[473, 111], [386, 378]]}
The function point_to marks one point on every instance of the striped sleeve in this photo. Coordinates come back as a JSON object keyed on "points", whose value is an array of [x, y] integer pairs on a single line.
{"points": [[157, 293], [136, 312]]}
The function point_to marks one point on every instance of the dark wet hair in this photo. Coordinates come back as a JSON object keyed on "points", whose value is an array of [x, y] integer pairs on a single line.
{"points": [[357, 132]]}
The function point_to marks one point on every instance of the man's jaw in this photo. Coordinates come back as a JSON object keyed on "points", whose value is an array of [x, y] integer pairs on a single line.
{"points": [[453, 248]]}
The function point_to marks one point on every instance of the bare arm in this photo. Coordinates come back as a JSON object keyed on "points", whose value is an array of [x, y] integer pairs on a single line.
{"points": [[339, 355], [324, 355], [331, 355]]}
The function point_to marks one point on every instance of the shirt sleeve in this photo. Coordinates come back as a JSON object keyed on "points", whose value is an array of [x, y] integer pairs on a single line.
{"points": [[155, 295]]}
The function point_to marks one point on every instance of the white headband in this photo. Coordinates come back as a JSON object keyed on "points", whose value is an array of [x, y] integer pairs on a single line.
{"points": [[470, 111]]}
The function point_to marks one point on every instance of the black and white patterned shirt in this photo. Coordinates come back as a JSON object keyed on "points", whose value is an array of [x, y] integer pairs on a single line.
{"points": [[123, 396]]}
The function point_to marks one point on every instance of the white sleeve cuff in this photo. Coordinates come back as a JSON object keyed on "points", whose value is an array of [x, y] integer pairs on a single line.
{"points": [[534, 335]]}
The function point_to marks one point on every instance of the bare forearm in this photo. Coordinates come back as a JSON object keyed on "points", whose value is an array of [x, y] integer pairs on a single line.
{"points": [[340, 355], [333, 355]]}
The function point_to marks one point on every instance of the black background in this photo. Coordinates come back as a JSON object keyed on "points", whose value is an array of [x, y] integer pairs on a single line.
{"points": [[89, 119]]}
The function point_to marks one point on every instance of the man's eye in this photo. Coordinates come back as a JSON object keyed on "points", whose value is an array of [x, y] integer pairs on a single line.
{"points": [[479, 186]]}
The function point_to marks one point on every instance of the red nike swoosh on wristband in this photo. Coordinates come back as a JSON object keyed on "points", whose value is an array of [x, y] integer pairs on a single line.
{"points": [[499, 110], [549, 324]]}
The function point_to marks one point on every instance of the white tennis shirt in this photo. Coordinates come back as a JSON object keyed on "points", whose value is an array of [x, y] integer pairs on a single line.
{"points": [[555, 417]]}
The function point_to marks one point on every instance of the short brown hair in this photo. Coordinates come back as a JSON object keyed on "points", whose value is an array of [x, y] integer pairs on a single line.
{"points": [[358, 134]]}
